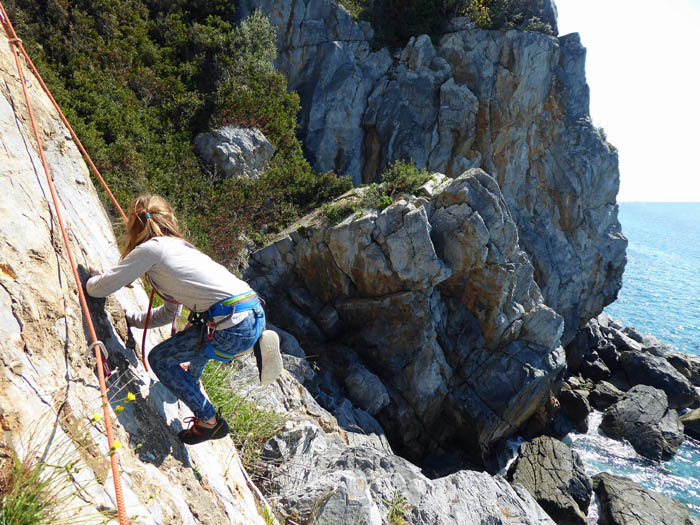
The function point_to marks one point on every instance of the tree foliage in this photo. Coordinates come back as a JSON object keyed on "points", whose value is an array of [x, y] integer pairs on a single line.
{"points": [[138, 79], [395, 21]]}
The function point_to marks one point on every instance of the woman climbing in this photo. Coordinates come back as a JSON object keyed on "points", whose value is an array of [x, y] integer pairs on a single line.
{"points": [[228, 318]]}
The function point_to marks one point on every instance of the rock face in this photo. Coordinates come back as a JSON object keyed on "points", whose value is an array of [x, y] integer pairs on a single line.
{"points": [[321, 480], [512, 103], [643, 418], [624, 502], [48, 375], [554, 475], [438, 300], [234, 151]]}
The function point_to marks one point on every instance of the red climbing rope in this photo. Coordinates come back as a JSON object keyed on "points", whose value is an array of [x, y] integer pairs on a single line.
{"points": [[16, 45]]}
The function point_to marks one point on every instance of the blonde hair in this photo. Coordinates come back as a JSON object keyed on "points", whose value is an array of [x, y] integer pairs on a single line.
{"points": [[149, 216]]}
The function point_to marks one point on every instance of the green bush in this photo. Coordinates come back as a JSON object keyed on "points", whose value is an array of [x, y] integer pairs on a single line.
{"points": [[138, 79], [395, 21]]}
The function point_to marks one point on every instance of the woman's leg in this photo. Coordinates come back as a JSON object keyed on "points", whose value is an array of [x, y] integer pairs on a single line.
{"points": [[165, 361]]}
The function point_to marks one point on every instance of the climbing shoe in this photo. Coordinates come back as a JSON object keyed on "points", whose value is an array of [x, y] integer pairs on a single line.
{"points": [[197, 433], [268, 357]]}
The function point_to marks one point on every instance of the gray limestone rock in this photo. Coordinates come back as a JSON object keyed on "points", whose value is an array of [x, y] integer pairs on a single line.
{"points": [[688, 365], [647, 369], [624, 502], [235, 151], [605, 394], [553, 473], [321, 480], [691, 423], [435, 295], [575, 404], [643, 418], [513, 103]]}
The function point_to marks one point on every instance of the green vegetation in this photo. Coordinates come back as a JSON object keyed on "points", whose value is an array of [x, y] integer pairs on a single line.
{"points": [[604, 137], [250, 426], [399, 178], [395, 21], [138, 79], [397, 509]]}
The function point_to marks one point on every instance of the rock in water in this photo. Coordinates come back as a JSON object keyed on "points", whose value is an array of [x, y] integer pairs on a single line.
{"points": [[554, 474], [643, 418], [623, 502], [647, 369]]}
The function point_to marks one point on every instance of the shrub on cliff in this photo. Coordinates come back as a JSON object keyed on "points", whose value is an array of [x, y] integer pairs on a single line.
{"points": [[139, 79], [395, 21]]}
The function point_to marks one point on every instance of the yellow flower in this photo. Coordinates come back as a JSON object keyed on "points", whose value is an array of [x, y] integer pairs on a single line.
{"points": [[115, 446], [95, 417], [118, 409], [130, 397]]}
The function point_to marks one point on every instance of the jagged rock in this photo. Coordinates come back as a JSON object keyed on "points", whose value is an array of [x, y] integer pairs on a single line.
{"points": [[609, 355], [655, 346], [688, 365], [605, 394], [513, 103], [643, 418], [691, 423], [321, 480], [647, 369], [595, 370], [366, 389], [553, 473], [437, 299], [48, 381], [624, 502], [235, 151], [575, 405]]}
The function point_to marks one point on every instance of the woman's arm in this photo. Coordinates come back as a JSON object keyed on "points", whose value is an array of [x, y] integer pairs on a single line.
{"points": [[139, 261], [160, 316]]}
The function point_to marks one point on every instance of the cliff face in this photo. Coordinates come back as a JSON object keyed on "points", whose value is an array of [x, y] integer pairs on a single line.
{"points": [[512, 103], [48, 385], [437, 299]]}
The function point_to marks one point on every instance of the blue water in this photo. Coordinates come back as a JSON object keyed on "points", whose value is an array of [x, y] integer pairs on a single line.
{"points": [[660, 292], [660, 295]]}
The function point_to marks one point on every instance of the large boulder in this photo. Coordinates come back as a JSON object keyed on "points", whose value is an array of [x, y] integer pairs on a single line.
{"points": [[691, 423], [643, 368], [688, 365], [513, 103], [235, 151], [320, 479], [434, 294], [623, 502], [643, 418], [554, 474]]}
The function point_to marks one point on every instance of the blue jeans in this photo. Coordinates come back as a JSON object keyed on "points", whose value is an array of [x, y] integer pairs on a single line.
{"points": [[165, 359]]}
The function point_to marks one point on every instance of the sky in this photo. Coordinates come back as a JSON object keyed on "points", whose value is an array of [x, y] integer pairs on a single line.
{"points": [[643, 69]]}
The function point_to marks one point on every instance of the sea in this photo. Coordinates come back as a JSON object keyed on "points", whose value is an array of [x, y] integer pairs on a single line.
{"points": [[660, 296]]}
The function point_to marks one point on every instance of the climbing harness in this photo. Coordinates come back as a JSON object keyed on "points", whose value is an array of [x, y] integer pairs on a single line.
{"points": [[225, 309], [103, 370]]}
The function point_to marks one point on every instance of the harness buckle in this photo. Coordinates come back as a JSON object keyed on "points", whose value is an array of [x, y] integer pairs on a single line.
{"points": [[211, 328]]}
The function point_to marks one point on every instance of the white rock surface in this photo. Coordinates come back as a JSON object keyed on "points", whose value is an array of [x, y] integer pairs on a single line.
{"points": [[48, 384], [235, 151]]}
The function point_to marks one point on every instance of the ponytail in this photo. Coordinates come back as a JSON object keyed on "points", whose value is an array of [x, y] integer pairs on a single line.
{"points": [[149, 216]]}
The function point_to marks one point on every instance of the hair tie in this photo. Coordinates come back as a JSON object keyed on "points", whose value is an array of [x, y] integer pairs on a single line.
{"points": [[147, 215]]}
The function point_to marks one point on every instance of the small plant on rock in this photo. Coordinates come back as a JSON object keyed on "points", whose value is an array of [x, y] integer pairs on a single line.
{"points": [[397, 509]]}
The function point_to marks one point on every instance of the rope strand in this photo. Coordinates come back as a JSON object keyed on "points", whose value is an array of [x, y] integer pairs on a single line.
{"points": [[16, 44]]}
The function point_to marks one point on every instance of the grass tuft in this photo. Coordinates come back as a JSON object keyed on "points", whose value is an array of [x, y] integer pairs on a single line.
{"points": [[249, 425]]}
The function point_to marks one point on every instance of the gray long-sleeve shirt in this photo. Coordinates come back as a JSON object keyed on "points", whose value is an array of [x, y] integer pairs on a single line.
{"points": [[179, 272]]}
